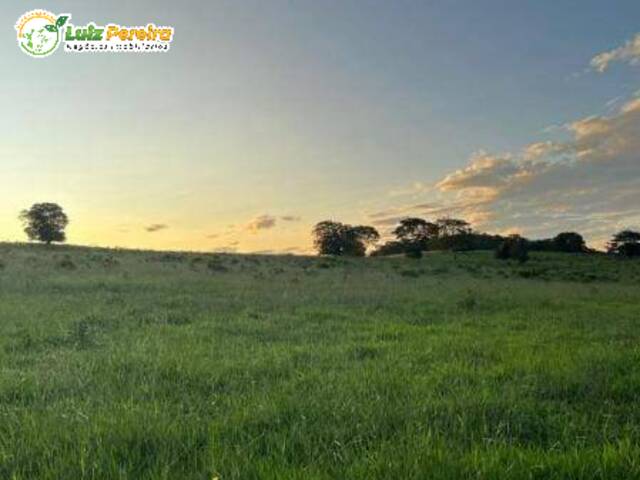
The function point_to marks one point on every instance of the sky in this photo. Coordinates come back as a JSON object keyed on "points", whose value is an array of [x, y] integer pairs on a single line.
{"points": [[267, 117]]}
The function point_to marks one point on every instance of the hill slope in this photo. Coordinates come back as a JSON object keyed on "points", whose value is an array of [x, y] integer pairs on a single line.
{"points": [[121, 364]]}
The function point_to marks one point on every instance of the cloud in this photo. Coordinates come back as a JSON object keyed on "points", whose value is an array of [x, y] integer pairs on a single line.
{"points": [[627, 53], [588, 183], [485, 172], [156, 227], [388, 222], [262, 222], [417, 188], [290, 218]]}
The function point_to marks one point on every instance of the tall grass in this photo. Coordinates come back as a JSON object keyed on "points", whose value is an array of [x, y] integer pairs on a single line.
{"points": [[143, 365]]}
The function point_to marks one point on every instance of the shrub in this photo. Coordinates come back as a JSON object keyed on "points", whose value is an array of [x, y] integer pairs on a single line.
{"points": [[66, 263], [171, 257], [625, 244], [570, 242], [215, 265], [110, 262], [513, 247]]}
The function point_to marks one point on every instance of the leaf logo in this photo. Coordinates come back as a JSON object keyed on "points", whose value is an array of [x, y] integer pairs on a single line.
{"points": [[62, 19], [39, 32]]}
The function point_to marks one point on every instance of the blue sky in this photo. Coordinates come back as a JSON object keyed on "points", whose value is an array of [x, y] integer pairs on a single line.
{"points": [[310, 110]]}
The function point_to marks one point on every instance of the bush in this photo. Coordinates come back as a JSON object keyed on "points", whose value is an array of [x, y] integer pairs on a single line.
{"points": [[110, 262], [513, 248], [414, 251], [67, 264], [215, 265], [625, 244], [629, 250]]}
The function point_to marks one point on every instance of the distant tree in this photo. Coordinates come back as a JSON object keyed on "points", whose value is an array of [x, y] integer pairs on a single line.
{"points": [[413, 250], [449, 227], [484, 241], [45, 222], [328, 237], [514, 247], [390, 248], [570, 242], [625, 244], [415, 232], [358, 238], [453, 234], [335, 238], [543, 245]]}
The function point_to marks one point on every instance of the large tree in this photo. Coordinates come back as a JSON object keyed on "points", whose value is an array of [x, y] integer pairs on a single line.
{"points": [[335, 238], [514, 247], [416, 232], [449, 227], [45, 222], [570, 242], [625, 244], [453, 234]]}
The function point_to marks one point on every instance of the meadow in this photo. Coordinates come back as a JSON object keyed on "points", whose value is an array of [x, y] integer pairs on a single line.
{"points": [[164, 365]]}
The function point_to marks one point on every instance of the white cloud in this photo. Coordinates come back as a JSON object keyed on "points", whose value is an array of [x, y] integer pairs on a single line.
{"points": [[627, 53], [590, 183]]}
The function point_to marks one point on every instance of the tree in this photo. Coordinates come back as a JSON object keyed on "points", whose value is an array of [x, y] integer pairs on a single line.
{"points": [[449, 227], [413, 251], [625, 244], [513, 247], [570, 242], [327, 237], [390, 248], [453, 234], [45, 222], [335, 238], [415, 232], [358, 238]]}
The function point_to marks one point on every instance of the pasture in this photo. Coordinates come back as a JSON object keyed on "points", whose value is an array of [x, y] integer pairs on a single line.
{"points": [[153, 365]]}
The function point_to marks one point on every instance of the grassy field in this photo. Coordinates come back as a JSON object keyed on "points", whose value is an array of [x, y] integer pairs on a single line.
{"points": [[147, 365]]}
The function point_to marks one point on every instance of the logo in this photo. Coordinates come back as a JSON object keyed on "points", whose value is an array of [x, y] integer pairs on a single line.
{"points": [[40, 33]]}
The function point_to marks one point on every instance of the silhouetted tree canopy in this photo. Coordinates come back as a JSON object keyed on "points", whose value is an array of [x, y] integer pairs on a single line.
{"points": [[570, 242], [415, 235], [449, 227], [390, 248], [625, 244], [335, 238], [513, 247], [45, 222], [415, 232]]}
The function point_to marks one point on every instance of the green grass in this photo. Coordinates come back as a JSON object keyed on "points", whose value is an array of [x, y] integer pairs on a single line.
{"points": [[143, 365]]}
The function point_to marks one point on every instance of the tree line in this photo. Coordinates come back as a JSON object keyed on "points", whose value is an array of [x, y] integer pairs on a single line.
{"points": [[413, 236], [47, 222]]}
